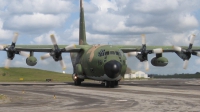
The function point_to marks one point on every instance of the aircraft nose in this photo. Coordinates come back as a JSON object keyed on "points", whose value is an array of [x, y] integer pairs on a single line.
{"points": [[112, 69]]}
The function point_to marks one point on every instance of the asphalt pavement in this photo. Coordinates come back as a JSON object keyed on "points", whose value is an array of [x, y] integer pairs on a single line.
{"points": [[163, 95]]}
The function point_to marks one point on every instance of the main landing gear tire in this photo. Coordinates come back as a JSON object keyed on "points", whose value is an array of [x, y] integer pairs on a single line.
{"points": [[77, 82], [111, 84]]}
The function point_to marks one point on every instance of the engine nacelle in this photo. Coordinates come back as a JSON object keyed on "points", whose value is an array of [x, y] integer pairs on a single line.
{"points": [[31, 61], [184, 56], [159, 61]]}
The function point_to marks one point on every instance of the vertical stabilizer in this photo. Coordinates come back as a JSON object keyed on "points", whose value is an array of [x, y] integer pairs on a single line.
{"points": [[82, 32]]}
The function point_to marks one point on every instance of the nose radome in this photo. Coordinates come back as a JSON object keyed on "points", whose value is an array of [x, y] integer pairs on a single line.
{"points": [[112, 68]]}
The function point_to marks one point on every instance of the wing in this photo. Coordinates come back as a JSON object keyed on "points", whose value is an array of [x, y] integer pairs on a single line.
{"points": [[141, 52], [54, 51], [128, 49], [47, 48]]}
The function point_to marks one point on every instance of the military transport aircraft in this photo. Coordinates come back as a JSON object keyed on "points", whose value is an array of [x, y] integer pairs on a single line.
{"points": [[106, 63]]}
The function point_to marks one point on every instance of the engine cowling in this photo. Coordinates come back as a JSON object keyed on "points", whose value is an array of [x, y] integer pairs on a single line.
{"points": [[31, 61], [159, 61]]}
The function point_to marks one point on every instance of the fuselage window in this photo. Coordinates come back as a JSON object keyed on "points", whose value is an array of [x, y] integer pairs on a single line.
{"points": [[112, 52]]}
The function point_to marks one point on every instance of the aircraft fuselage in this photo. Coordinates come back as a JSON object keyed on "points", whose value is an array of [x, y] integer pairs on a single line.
{"points": [[102, 63]]}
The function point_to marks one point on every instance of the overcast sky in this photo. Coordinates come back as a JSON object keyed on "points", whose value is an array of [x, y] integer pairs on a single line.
{"points": [[121, 22]]}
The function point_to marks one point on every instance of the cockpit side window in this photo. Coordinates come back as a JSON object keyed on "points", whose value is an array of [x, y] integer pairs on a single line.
{"points": [[107, 53], [112, 52], [117, 53], [120, 54], [101, 52]]}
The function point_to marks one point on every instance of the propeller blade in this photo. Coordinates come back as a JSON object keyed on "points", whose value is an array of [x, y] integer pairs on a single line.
{"points": [[143, 39], [63, 64], [198, 54], [7, 63], [177, 48], [25, 54], [132, 54], [158, 50], [15, 37], [185, 64], [1, 47], [192, 39], [45, 56], [69, 47], [146, 65], [53, 39]]}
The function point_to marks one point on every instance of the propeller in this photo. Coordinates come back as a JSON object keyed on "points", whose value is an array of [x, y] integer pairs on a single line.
{"points": [[15, 38], [70, 47], [185, 64], [56, 53], [146, 65], [132, 54], [185, 54], [11, 51], [25, 54], [62, 64], [142, 55], [45, 56], [1, 47], [7, 63]]}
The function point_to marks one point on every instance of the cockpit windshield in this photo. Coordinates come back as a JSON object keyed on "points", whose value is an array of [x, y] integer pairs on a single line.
{"points": [[106, 53], [112, 52]]}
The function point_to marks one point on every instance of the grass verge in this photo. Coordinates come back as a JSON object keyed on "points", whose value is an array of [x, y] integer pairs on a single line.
{"points": [[28, 74]]}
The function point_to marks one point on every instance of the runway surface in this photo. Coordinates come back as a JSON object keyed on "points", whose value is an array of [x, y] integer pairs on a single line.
{"points": [[163, 95]]}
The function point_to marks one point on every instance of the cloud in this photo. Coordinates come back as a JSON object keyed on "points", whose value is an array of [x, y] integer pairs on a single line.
{"points": [[156, 6], [188, 21], [39, 6], [45, 38], [36, 23], [197, 61], [33, 17], [4, 34], [120, 22], [105, 5]]}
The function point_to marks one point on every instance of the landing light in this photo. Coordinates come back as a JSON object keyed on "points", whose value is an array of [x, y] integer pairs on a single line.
{"points": [[75, 77], [63, 72]]}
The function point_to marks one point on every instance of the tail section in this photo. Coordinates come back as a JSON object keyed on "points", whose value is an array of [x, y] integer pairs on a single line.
{"points": [[82, 32]]}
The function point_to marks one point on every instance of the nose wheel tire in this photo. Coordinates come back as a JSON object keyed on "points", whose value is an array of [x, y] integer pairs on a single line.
{"points": [[111, 84]]}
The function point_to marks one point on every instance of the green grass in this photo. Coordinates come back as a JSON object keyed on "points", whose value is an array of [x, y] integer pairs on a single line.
{"points": [[28, 74]]}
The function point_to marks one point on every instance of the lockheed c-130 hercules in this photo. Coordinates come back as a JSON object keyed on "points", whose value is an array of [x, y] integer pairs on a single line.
{"points": [[106, 63]]}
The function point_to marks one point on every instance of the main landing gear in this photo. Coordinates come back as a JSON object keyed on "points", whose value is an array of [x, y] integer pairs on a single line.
{"points": [[111, 84], [77, 81]]}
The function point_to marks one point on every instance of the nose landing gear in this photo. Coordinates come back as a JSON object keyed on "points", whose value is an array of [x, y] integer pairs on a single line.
{"points": [[111, 84]]}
